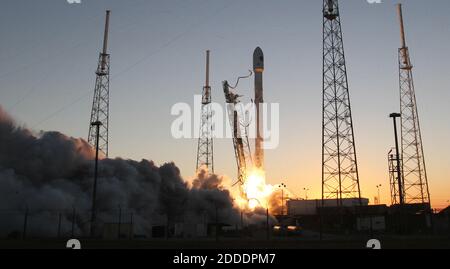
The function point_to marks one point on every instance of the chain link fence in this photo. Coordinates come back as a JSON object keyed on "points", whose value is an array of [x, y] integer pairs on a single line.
{"points": [[69, 223]]}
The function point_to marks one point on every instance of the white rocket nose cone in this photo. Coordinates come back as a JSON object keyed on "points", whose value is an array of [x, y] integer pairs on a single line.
{"points": [[258, 60]]}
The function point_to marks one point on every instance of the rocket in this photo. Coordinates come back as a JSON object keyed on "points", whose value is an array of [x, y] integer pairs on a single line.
{"points": [[258, 68]]}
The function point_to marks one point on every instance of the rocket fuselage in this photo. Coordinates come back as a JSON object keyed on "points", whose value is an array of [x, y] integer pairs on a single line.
{"points": [[258, 68]]}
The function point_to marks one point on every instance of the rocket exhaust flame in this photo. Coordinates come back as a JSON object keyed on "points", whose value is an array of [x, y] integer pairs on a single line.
{"points": [[255, 193]]}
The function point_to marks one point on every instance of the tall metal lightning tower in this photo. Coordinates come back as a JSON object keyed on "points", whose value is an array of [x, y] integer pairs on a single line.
{"points": [[205, 159], [340, 178], [414, 171], [100, 104]]}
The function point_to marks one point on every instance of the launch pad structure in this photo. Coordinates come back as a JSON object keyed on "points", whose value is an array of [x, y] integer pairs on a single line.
{"points": [[241, 143], [340, 178]]}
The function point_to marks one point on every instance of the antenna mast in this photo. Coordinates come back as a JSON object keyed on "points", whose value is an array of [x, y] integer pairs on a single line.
{"points": [[100, 104], [205, 156], [413, 160]]}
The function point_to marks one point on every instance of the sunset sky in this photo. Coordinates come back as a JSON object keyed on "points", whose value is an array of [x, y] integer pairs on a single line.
{"points": [[49, 51]]}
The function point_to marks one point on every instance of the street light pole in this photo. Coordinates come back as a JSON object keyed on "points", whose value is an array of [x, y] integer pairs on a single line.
{"points": [[73, 221], [379, 199], [217, 222], [306, 193], [282, 186], [267, 222], [120, 220], [394, 117], [97, 124]]}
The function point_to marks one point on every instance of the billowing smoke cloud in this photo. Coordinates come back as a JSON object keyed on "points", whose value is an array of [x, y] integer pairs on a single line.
{"points": [[51, 174]]}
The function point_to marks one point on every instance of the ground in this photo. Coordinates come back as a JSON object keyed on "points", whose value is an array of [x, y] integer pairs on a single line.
{"points": [[226, 243]]}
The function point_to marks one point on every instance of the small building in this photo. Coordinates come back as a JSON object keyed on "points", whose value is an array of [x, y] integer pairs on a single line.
{"points": [[371, 223], [190, 230], [371, 218], [310, 207], [442, 221]]}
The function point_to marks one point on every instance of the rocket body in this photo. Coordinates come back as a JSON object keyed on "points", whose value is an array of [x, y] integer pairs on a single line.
{"points": [[258, 68]]}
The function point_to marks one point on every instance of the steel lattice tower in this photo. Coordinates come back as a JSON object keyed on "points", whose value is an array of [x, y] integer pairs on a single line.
{"points": [[340, 177], [205, 142], [415, 180], [100, 104]]}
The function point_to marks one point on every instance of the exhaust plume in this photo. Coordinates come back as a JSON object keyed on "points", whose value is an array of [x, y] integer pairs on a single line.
{"points": [[50, 173]]}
